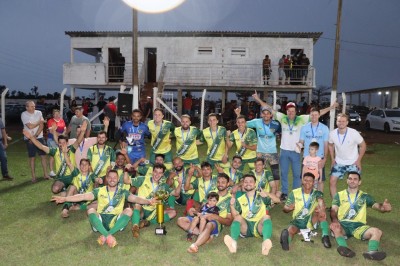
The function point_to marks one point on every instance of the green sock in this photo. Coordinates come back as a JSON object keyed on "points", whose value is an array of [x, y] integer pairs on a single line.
{"points": [[120, 223], [373, 245], [289, 239], [83, 207], [341, 241], [235, 230], [171, 202], [136, 217], [67, 205], [267, 229], [97, 224], [166, 219], [325, 228]]}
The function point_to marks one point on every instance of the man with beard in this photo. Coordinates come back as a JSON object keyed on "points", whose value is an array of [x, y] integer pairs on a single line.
{"points": [[219, 221], [308, 209], [120, 163], [349, 218], [234, 174], [160, 130], [246, 142], [267, 129], [249, 218], [135, 132], [147, 187], [186, 141], [110, 215], [101, 156], [264, 180], [63, 173]]}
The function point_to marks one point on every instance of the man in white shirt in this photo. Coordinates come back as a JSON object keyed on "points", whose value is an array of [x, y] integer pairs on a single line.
{"points": [[347, 148], [33, 122]]}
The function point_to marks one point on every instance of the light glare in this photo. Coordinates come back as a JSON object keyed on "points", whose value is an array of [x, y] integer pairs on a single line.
{"points": [[153, 6]]}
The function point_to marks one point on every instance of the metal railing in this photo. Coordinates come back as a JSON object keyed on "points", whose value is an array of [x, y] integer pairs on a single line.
{"points": [[236, 75]]}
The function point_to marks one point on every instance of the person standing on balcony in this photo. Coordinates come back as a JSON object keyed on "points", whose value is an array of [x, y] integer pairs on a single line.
{"points": [[304, 64], [266, 69], [110, 110], [287, 65], [33, 122], [100, 106], [187, 105], [160, 130], [281, 68]]}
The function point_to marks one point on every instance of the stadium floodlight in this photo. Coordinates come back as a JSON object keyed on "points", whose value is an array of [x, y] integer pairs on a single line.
{"points": [[153, 6]]}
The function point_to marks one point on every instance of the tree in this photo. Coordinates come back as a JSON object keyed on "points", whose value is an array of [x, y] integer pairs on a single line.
{"points": [[35, 91], [320, 93]]}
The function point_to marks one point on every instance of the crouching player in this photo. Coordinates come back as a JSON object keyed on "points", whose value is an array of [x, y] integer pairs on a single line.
{"points": [[110, 215]]}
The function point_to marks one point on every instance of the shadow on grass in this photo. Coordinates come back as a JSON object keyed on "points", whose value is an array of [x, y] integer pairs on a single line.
{"points": [[20, 185]]}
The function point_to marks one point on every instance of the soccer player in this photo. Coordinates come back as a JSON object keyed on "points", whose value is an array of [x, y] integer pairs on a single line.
{"points": [[215, 137], [101, 156], [308, 209], [186, 141], [63, 172], [160, 130], [347, 148], [234, 174], [110, 215], [246, 142], [264, 179], [135, 132], [147, 186], [349, 218], [249, 218], [224, 218]]}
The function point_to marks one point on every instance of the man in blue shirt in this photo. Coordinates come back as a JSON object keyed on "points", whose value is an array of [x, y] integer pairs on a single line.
{"points": [[135, 132], [315, 131]]}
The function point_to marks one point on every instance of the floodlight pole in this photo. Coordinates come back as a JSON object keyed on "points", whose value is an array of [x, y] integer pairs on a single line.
{"points": [[336, 64], [135, 71]]}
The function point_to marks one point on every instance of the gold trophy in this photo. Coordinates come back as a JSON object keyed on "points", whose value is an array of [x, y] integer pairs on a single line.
{"points": [[160, 195]]}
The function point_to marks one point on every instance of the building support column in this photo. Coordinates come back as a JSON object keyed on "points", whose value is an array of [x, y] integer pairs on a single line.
{"points": [[224, 96], [394, 98], [179, 99], [72, 93]]}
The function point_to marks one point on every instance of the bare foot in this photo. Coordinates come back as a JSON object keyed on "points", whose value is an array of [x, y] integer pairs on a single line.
{"points": [[64, 213]]}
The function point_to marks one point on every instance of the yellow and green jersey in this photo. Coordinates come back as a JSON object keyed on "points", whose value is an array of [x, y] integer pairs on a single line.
{"points": [[110, 202], [263, 180], [224, 205], [304, 204], [186, 147], [120, 172], [357, 202], [204, 187], [249, 137], [83, 183], [147, 188], [216, 142], [100, 159], [252, 209], [60, 165], [184, 174], [160, 136], [234, 176]]}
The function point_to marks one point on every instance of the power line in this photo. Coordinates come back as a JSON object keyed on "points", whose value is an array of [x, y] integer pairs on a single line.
{"points": [[364, 43]]}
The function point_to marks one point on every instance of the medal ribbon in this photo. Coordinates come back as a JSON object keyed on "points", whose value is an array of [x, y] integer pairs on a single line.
{"points": [[306, 204], [84, 183], [252, 204], [233, 177], [316, 130], [110, 200], [344, 137], [355, 199], [288, 122]]}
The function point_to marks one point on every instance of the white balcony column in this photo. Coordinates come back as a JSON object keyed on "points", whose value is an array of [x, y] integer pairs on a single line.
{"points": [[122, 89], [72, 55], [224, 94], [309, 96], [395, 98], [179, 99], [73, 93]]}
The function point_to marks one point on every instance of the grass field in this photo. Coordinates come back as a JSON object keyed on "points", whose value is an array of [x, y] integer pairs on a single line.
{"points": [[33, 233]]}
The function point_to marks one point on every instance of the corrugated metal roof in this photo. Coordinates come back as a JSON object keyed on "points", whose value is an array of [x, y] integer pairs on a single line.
{"points": [[313, 35]]}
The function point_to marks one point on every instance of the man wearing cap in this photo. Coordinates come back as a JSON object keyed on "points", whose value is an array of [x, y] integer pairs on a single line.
{"points": [[267, 128], [289, 157], [77, 121]]}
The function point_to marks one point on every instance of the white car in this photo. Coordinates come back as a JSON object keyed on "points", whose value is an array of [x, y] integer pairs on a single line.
{"points": [[384, 119]]}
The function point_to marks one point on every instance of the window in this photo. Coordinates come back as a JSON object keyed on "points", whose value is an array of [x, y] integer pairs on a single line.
{"points": [[205, 51], [238, 52]]}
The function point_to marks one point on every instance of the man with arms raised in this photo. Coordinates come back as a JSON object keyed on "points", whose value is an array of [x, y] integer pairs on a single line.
{"points": [[186, 141], [308, 209], [249, 218], [110, 215], [63, 172], [349, 218], [347, 148]]}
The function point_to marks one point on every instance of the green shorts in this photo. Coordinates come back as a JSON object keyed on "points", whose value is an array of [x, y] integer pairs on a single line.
{"points": [[108, 221], [149, 214], [249, 162], [303, 223], [252, 230], [355, 229], [66, 180], [213, 162], [195, 162]]}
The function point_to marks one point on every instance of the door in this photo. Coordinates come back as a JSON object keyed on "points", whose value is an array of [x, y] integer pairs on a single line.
{"points": [[151, 64]]}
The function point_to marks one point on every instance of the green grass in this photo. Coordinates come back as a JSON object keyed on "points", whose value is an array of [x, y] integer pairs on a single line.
{"points": [[34, 234]]}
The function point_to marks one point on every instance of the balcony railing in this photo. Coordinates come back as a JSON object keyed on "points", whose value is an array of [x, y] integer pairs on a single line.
{"points": [[236, 75]]}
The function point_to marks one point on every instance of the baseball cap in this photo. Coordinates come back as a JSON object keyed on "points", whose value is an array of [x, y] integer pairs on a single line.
{"points": [[266, 108], [291, 104]]}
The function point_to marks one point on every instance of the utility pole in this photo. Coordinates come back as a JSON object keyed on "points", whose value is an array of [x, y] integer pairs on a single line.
{"points": [[135, 71], [336, 64]]}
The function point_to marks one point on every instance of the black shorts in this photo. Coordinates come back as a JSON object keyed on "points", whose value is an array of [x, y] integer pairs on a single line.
{"points": [[32, 149]]}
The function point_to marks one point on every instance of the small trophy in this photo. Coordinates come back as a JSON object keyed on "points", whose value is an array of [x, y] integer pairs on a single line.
{"points": [[161, 196]]}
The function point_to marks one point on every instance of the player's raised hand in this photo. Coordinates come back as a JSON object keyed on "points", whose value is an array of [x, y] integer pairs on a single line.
{"points": [[106, 121], [238, 110], [255, 95]]}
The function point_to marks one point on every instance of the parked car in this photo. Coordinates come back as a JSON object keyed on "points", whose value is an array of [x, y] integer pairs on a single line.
{"points": [[354, 117], [384, 119], [362, 110]]}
